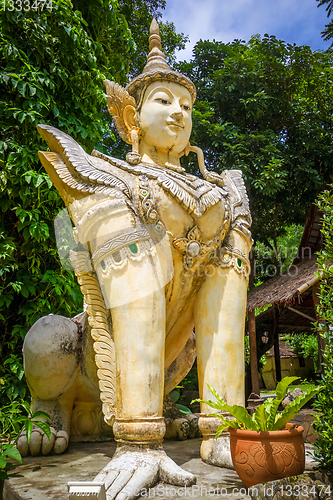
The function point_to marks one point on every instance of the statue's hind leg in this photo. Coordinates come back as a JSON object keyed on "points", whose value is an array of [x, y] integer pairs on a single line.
{"points": [[51, 353]]}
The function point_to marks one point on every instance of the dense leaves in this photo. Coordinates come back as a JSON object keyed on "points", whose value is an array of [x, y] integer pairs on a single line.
{"points": [[52, 67], [265, 107], [324, 421], [304, 344]]}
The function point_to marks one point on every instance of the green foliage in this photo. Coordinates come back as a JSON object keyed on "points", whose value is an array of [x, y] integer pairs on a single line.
{"points": [[266, 416], [264, 107], [304, 344], [327, 33], [13, 417], [52, 67], [324, 420], [274, 257], [12, 381]]}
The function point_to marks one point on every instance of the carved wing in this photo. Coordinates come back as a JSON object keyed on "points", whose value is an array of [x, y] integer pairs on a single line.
{"points": [[118, 98], [75, 168]]}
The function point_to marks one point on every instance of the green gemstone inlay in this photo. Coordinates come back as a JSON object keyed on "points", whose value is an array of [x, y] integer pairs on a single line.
{"points": [[239, 262], [103, 265], [133, 248]]}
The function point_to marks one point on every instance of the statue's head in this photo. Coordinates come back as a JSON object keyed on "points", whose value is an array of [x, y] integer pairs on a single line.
{"points": [[154, 112]]}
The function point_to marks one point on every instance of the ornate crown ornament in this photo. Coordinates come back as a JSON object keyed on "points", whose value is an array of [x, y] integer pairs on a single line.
{"points": [[157, 69]]}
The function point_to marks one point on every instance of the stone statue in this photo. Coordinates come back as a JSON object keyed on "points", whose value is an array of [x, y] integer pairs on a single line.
{"points": [[159, 252]]}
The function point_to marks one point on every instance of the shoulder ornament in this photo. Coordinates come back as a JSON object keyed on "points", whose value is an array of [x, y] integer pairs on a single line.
{"points": [[75, 168]]}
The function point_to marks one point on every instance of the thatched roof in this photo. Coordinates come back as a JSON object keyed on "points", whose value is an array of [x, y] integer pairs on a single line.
{"points": [[285, 289]]}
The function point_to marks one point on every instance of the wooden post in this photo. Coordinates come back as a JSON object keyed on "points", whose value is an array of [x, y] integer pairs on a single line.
{"points": [[276, 344], [253, 352], [320, 340], [251, 316]]}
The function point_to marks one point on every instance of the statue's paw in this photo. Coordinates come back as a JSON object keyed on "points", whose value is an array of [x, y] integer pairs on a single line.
{"points": [[178, 428], [194, 426], [132, 472], [217, 451], [40, 443], [128, 474]]}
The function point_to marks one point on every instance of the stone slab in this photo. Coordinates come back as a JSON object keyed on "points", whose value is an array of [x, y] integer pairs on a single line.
{"points": [[46, 478]]}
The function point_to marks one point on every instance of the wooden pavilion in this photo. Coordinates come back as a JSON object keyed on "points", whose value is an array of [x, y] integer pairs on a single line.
{"points": [[292, 298]]}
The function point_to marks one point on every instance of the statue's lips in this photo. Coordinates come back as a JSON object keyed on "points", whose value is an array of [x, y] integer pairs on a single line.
{"points": [[175, 124]]}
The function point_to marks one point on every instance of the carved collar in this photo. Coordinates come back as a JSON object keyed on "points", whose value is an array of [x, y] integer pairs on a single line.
{"points": [[194, 194]]}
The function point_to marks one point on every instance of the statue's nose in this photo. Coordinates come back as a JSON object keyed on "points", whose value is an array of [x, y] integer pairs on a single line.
{"points": [[177, 114]]}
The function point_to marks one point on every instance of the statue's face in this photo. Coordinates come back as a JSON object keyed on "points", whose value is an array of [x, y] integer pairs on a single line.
{"points": [[166, 117]]}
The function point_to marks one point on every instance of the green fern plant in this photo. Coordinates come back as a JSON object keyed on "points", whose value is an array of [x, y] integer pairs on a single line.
{"points": [[13, 417], [266, 416]]}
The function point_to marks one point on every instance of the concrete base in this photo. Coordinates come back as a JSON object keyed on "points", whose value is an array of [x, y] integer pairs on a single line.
{"points": [[46, 478]]}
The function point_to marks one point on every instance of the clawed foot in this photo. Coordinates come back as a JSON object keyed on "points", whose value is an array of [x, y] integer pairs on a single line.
{"points": [[133, 470], [40, 443], [217, 451]]}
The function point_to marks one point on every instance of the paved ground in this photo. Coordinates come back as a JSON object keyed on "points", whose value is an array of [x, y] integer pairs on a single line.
{"points": [[46, 478]]}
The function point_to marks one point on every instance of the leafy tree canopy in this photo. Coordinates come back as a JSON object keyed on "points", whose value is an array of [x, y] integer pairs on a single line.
{"points": [[264, 107]]}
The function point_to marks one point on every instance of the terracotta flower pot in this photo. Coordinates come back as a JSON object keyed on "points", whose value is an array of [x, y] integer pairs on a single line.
{"points": [[264, 456]]}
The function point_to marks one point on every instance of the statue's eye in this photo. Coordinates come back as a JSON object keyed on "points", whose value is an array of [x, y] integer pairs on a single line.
{"points": [[186, 108], [162, 101]]}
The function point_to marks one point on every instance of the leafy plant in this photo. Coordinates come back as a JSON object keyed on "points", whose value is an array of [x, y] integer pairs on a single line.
{"points": [[12, 381], [13, 417], [304, 344], [266, 416], [174, 396], [323, 424]]}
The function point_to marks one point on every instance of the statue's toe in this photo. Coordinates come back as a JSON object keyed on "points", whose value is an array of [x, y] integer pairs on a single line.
{"points": [[61, 442], [143, 478], [22, 444], [171, 473], [119, 483], [47, 444], [35, 443]]}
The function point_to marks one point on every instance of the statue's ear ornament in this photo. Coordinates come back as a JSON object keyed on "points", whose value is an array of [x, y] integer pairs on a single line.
{"points": [[122, 108], [207, 175]]}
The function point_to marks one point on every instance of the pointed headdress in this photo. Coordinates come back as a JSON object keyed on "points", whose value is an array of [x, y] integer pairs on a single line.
{"points": [[156, 69]]}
